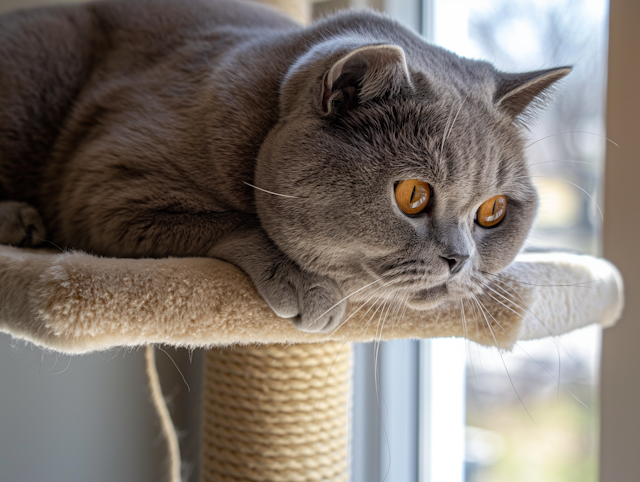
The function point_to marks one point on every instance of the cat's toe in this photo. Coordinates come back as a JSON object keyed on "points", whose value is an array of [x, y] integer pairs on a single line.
{"points": [[33, 226], [281, 298], [321, 309], [20, 225]]}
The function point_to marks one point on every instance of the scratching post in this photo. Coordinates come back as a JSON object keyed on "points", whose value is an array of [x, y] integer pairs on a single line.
{"points": [[276, 413]]}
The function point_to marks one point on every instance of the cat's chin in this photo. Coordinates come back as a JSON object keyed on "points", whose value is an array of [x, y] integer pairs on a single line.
{"points": [[429, 298]]}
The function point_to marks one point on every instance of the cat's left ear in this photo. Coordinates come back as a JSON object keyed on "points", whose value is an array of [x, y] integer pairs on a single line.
{"points": [[364, 74], [515, 92]]}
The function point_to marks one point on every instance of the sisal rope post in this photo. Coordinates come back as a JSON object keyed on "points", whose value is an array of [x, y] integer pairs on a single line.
{"points": [[276, 413]]}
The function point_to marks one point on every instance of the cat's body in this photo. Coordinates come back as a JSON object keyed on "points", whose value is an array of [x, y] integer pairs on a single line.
{"points": [[136, 129], [139, 100]]}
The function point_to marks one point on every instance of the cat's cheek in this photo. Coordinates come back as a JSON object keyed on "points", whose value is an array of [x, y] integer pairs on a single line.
{"points": [[421, 229], [496, 250]]}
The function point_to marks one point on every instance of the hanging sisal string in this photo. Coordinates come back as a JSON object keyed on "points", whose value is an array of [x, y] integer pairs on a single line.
{"points": [[166, 422], [276, 413]]}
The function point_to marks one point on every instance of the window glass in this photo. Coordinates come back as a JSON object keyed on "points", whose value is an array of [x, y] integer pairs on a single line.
{"points": [[526, 425]]}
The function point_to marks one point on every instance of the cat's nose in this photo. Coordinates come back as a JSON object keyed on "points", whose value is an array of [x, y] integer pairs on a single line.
{"points": [[456, 261]]}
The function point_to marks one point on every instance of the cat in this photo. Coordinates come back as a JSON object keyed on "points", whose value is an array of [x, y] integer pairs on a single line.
{"points": [[346, 161]]}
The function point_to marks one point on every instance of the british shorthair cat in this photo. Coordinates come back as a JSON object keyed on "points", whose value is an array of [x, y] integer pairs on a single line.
{"points": [[347, 160]]}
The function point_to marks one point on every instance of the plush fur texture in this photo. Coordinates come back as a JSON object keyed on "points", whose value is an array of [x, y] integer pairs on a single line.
{"points": [[76, 303], [138, 128]]}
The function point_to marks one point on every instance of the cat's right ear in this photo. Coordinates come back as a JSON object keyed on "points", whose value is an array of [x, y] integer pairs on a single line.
{"points": [[364, 74], [515, 93]]}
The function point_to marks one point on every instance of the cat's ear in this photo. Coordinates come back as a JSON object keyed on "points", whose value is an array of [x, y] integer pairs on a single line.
{"points": [[516, 92], [364, 74]]}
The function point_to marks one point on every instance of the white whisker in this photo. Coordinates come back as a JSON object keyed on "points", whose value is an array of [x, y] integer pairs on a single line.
{"points": [[466, 335], [553, 336], [366, 325], [65, 369], [376, 346], [536, 361], [404, 310], [271, 192], [482, 310], [569, 285], [175, 365], [359, 308], [560, 160], [347, 297], [575, 185], [574, 132], [448, 133], [394, 316]]}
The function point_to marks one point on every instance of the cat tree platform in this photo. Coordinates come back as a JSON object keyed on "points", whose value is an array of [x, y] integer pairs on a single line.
{"points": [[276, 400], [76, 303]]}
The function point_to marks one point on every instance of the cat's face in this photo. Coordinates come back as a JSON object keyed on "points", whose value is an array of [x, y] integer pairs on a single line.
{"points": [[342, 154]]}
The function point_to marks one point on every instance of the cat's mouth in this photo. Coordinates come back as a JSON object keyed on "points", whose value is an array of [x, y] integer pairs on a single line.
{"points": [[420, 289]]}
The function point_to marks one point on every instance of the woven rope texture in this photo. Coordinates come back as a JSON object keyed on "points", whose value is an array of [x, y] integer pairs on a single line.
{"points": [[276, 413]]}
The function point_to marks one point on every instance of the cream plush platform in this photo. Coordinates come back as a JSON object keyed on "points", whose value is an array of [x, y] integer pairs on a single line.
{"points": [[76, 303]]}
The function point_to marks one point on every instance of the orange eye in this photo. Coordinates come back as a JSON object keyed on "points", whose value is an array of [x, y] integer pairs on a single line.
{"points": [[492, 211], [412, 196]]}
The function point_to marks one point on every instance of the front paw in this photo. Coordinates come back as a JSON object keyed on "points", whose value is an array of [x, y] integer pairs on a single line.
{"points": [[322, 307], [279, 290], [20, 225], [313, 302]]}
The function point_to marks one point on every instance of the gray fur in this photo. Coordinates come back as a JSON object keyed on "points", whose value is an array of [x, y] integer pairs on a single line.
{"points": [[137, 128]]}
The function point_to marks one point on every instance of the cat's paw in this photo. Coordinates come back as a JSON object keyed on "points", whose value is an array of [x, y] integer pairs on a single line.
{"points": [[20, 225], [280, 293], [314, 303], [311, 301], [322, 308]]}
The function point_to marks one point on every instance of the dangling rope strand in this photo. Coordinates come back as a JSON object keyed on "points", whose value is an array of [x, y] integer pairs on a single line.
{"points": [[160, 404]]}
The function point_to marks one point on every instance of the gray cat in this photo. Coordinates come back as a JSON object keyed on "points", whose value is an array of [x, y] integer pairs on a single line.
{"points": [[348, 159]]}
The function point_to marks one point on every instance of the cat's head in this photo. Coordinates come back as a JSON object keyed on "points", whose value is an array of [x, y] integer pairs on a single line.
{"points": [[400, 162]]}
